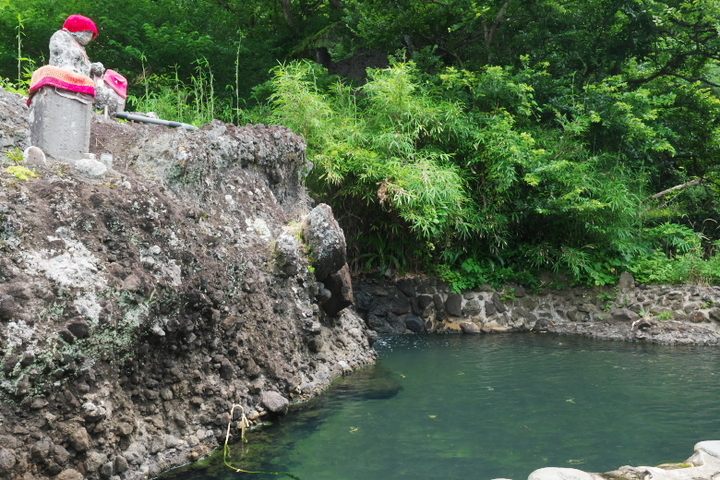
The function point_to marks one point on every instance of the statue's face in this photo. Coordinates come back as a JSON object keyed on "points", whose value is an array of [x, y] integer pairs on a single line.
{"points": [[83, 38]]}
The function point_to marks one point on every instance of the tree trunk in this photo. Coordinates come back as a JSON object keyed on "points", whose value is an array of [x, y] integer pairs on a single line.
{"points": [[490, 31], [289, 19]]}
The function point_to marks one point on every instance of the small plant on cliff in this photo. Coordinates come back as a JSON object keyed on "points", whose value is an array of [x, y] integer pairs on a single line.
{"points": [[18, 171], [15, 155], [607, 299], [21, 173]]}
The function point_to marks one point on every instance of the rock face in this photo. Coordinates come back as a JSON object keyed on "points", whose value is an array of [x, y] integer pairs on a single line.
{"points": [[326, 241], [661, 314], [137, 308], [14, 131]]}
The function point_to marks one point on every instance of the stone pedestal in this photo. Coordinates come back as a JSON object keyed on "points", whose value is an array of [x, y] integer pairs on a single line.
{"points": [[60, 123]]}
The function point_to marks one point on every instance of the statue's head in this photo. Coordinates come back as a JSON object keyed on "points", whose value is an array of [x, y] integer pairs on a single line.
{"points": [[82, 28]]}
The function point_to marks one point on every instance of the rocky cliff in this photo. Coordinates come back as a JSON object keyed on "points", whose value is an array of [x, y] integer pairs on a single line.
{"points": [[138, 303]]}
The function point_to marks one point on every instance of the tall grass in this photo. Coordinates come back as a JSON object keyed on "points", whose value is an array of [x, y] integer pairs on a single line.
{"points": [[21, 84], [195, 101], [173, 99]]}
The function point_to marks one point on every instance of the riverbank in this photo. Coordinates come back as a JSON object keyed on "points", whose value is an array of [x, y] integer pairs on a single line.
{"points": [[629, 311], [494, 406]]}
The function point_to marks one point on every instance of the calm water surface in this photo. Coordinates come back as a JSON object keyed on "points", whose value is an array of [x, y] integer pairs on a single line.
{"points": [[489, 406]]}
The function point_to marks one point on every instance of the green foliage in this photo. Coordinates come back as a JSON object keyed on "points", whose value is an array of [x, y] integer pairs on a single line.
{"points": [[21, 173], [504, 140], [15, 155], [172, 99]]}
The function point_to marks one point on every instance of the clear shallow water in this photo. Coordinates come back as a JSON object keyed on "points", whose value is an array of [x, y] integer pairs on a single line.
{"points": [[489, 406]]}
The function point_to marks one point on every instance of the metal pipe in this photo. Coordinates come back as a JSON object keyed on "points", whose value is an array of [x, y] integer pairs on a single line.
{"points": [[156, 121]]}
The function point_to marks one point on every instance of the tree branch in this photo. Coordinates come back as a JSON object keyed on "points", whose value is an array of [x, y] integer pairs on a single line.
{"points": [[683, 186], [490, 33], [693, 80]]}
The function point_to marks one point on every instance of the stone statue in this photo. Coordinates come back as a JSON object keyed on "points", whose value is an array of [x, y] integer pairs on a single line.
{"points": [[67, 47], [62, 93]]}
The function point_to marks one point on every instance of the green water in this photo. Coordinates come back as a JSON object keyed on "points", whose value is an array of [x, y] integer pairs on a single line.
{"points": [[483, 407]]}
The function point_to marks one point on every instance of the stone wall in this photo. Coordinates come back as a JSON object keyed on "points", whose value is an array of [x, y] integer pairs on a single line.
{"points": [[628, 311]]}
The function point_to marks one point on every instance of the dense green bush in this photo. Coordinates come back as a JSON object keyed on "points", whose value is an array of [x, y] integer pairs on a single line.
{"points": [[506, 139]]}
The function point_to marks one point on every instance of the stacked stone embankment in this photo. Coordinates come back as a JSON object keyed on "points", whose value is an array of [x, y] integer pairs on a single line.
{"points": [[683, 314]]}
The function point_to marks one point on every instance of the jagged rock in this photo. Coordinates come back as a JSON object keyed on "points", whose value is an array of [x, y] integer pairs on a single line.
{"points": [[424, 301], [406, 287], [326, 240], [499, 305], [7, 460], [80, 440], [339, 284], [624, 315], [79, 328], [94, 461], [287, 254], [8, 308], [275, 402], [91, 168], [414, 324], [14, 131], [472, 308], [453, 305], [120, 464], [469, 327], [70, 474], [626, 283]]}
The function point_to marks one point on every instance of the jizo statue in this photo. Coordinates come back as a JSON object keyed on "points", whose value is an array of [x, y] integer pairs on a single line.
{"points": [[67, 46], [63, 93]]}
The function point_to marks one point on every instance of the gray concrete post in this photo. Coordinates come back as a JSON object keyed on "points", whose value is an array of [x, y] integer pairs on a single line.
{"points": [[60, 123]]}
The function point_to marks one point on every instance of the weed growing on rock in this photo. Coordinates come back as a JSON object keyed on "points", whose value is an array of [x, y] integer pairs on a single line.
{"points": [[22, 173], [242, 425], [15, 155], [508, 295]]}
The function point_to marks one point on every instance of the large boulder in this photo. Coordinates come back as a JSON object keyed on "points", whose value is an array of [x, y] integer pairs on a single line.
{"points": [[326, 241]]}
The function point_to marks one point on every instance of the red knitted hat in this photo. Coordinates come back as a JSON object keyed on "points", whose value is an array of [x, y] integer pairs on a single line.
{"points": [[78, 23]]}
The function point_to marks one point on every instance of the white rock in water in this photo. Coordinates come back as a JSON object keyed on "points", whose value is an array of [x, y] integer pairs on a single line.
{"points": [[710, 446], [552, 473], [91, 168]]}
